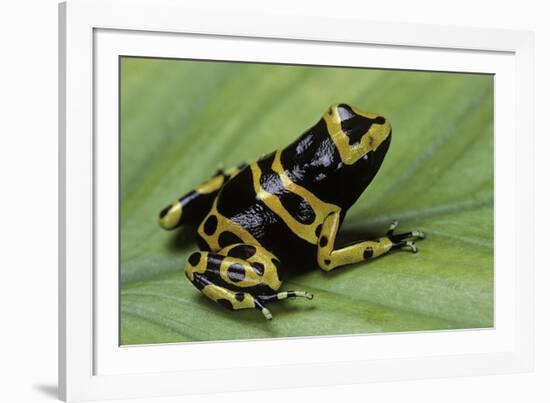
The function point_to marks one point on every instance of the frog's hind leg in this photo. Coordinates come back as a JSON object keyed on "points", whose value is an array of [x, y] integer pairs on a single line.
{"points": [[192, 207], [328, 258], [239, 276]]}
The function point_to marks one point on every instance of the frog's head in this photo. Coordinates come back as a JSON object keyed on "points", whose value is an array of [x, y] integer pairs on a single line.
{"points": [[361, 139], [355, 133]]}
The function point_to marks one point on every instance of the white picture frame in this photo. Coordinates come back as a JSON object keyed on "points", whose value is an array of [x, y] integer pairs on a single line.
{"points": [[93, 366]]}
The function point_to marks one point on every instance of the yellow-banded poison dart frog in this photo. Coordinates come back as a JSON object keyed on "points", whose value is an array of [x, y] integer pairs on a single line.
{"points": [[259, 221]]}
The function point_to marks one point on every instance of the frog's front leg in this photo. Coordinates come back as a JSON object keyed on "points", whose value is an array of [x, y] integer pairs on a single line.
{"points": [[239, 276], [329, 258], [192, 207]]}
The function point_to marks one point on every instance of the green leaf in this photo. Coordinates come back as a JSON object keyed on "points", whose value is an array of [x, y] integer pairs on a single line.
{"points": [[181, 119]]}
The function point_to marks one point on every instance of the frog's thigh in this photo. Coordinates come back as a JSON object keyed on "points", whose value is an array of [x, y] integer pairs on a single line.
{"points": [[329, 258], [218, 276], [238, 276], [239, 266], [191, 208]]}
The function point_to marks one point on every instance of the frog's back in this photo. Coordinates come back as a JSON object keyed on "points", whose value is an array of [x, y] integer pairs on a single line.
{"points": [[242, 215]]}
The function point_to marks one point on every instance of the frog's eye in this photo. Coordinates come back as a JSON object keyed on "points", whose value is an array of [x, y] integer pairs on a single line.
{"points": [[340, 112], [344, 112]]}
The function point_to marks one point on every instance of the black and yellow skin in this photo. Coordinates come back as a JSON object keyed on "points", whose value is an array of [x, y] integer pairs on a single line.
{"points": [[281, 214]]}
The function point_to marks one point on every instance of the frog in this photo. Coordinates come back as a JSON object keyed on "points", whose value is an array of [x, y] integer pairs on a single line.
{"points": [[258, 223]]}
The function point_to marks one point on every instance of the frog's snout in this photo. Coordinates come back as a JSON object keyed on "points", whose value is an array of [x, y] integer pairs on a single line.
{"points": [[170, 216]]}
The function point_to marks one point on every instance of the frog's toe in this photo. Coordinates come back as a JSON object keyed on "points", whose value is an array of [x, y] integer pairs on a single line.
{"points": [[410, 236], [267, 313], [410, 245], [294, 294], [392, 226], [405, 245], [419, 234], [266, 298], [307, 295], [407, 236]]}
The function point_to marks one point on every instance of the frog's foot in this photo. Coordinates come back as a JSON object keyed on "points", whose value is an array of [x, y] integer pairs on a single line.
{"points": [[266, 298], [272, 297], [329, 257], [284, 295], [405, 240]]}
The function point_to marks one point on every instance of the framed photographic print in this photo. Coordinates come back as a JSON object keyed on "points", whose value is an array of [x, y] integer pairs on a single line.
{"points": [[338, 202], [440, 180]]}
